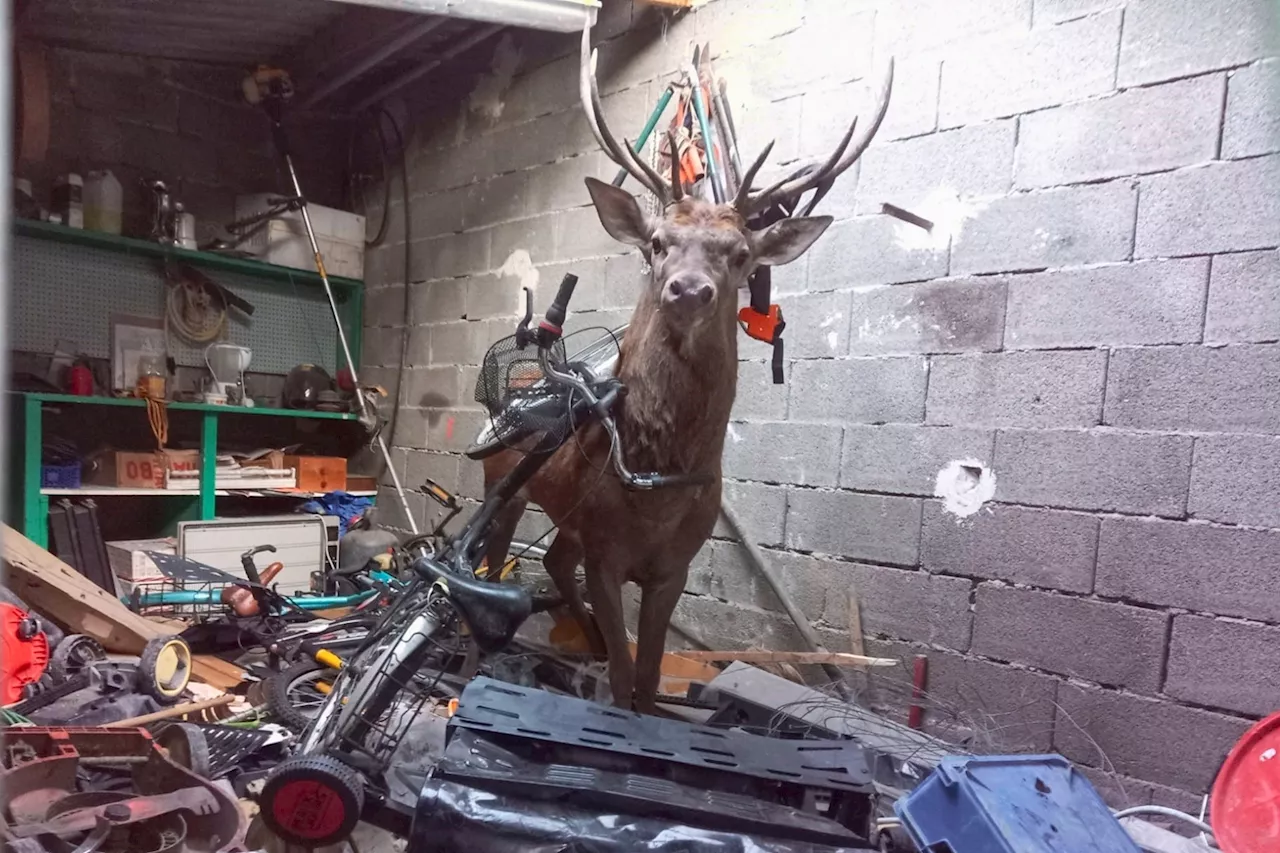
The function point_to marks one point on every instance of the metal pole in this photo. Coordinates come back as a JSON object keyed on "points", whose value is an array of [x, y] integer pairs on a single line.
{"points": [[802, 624], [342, 335], [649, 125]]}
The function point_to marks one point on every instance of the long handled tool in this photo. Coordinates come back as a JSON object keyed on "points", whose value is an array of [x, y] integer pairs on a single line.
{"points": [[271, 88]]}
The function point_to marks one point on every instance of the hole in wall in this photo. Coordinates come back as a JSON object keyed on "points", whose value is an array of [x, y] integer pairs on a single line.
{"points": [[964, 486]]}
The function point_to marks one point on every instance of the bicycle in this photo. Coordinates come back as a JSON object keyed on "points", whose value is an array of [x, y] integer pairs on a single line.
{"points": [[429, 638]]}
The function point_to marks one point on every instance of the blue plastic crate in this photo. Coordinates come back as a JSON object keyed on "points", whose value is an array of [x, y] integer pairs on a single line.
{"points": [[1010, 804], [60, 476]]}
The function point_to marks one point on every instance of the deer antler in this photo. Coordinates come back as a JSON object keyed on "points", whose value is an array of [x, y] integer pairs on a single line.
{"points": [[806, 178], [620, 154]]}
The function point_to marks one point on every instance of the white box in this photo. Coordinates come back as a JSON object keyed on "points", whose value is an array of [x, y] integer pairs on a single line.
{"points": [[301, 540], [129, 562], [284, 241]]}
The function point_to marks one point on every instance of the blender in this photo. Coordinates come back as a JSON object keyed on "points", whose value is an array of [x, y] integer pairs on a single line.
{"points": [[227, 364]]}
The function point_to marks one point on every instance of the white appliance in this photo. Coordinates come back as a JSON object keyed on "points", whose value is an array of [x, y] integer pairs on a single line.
{"points": [[302, 544], [227, 364], [283, 240]]}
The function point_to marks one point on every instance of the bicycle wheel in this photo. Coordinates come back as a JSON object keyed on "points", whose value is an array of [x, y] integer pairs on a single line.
{"points": [[296, 695]]}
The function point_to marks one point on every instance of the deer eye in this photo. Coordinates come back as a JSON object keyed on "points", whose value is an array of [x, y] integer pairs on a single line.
{"points": [[741, 256], [657, 245]]}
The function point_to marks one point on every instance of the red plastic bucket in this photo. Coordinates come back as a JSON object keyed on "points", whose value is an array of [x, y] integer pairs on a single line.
{"points": [[1244, 807]]}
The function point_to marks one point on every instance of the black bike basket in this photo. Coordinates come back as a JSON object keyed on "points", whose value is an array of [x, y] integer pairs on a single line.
{"points": [[514, 390]]}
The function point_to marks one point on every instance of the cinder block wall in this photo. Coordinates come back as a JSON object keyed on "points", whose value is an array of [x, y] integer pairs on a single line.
{"points": [[1096, 322]]}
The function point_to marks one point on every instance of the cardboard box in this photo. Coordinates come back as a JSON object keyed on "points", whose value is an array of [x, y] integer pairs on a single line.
{"points": [[319, 473], [146, 470], [129, 561], [361, 483], [271, 459]]}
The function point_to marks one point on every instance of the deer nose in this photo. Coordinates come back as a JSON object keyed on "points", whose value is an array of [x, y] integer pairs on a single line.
{"points": [[690, 291]]}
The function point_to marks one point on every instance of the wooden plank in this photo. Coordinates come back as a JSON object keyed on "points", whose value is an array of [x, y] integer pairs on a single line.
{"points": [[825, 658], [80, 606]]}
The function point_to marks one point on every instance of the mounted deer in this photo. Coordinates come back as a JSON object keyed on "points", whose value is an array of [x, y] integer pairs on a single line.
{"points": [[679, 364]]}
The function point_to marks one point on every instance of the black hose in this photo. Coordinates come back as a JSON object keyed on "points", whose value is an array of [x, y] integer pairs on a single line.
{"points": [[408, 247]]}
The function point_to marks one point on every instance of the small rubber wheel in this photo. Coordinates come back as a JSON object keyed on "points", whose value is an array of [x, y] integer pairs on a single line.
{"points": [[73, 654], [312, 801], [294, 696], [187, 746], [164, 668]]}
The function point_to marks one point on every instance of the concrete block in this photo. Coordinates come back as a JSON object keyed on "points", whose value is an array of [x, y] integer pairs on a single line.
{"points": [[913, 109], [770, 69], [859, 390], [160, 152], [1001, 707], [906, 459], [384, 306], [441, 467], [535, 235], [760, 121], [1252, 123], [761, 509], [549, 88], [1224, 664], [437, 301], [451, 343], [484, 334], [1064, 227], [1026, 389], [733, 578], [1112, 137], [863, 527], [499, 199], [805, 454], [1228, 389], [1224, 570], [453, 430], [411, 428], [1164, 39], [972, 162], [451, 256], [1041, 69], [910, 605], [1244, 298], [432, 387], [1044, 548], [729, 626], [639, 55], [817, 324], [872, 250], [227, 124], [1144, 738], [1233, 480], [730, 27], [560, 185], [932, 24], [579, 234], [1098, 470], [625, 277], [956, 315], [1049, 12], [381, 348], [1198, 211], [438, 213], [791, 279], [1125, 646], [133, 99], [591, 284], [494, 295], [758, 399], [1150, 302]]}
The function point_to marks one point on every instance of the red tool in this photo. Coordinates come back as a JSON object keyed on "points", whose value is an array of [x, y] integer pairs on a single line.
{"points": [[80, 380], [25, 651]]}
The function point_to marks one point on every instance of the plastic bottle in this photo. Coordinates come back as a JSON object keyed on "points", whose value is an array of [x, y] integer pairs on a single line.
{"points": [[68, 199], [103, 202]]}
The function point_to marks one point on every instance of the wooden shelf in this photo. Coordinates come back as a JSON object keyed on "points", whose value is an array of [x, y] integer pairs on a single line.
{"points": [[102, 491], [343, 287]]}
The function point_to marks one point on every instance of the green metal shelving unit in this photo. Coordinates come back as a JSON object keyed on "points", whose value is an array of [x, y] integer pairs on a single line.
{"points": [[33, 502]]}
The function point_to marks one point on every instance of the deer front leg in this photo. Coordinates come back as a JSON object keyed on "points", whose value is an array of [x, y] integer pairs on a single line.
{"points": [[561, 563], [657, 603], [606, 603]]}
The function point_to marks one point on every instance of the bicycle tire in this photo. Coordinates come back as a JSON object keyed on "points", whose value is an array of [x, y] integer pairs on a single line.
{"points": [[276, 690]]}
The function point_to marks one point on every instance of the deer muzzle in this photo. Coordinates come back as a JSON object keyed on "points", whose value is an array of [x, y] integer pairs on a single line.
{"points": [[688, 293]]}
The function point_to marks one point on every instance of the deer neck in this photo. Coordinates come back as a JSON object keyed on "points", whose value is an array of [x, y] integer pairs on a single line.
{"points": [[680, 391]]}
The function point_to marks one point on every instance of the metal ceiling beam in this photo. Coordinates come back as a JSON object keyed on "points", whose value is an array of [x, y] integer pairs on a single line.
{"points": [[399, 43], [561, 16], [471, 40]]}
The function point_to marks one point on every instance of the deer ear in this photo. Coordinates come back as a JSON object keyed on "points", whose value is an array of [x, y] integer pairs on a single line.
{"points": [[787, 239], [619, 213]]}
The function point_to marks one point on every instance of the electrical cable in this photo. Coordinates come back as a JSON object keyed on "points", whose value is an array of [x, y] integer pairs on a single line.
{"points": [[191, 312], [1165, 811], [408, 249]]}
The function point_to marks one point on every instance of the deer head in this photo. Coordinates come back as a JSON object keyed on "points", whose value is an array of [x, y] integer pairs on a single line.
{"points": [[701, 253]]}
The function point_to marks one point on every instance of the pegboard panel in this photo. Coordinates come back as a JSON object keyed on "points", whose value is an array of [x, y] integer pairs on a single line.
{"points": [[66, 292]]}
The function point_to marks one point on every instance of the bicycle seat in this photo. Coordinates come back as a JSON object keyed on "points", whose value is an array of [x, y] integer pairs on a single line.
{"points": [[493, 611]]}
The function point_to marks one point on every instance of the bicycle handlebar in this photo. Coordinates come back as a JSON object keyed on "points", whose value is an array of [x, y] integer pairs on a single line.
{"points": [[560, 305]]}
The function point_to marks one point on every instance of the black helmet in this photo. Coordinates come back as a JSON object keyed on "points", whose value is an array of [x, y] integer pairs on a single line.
{"points": [[303, 385]]}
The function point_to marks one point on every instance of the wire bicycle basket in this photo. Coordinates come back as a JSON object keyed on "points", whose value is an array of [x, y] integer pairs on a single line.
{"points": [[517, 395]]}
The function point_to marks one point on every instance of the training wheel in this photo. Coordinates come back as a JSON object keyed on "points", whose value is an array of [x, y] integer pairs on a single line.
{"points": [[164, 668], [312, 801]]}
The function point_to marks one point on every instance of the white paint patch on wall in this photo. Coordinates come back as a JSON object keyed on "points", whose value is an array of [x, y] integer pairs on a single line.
{"points": [[520, 265], [964, 486], [948, 213]]}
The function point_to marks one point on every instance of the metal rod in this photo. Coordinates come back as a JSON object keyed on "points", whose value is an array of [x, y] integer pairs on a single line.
{"points": [[388, 50], [620, 178], [762, 567], [700, 110], [418, 73], [919, 682], [365, 414], [906, 216]]}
